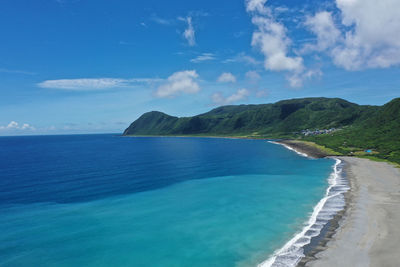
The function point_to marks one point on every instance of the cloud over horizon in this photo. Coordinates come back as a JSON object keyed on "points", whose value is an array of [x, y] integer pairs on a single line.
{"points": [[93, 84], [13, 125]]}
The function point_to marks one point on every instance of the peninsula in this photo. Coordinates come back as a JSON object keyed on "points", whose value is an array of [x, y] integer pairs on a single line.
{"points": [[332, 126]]}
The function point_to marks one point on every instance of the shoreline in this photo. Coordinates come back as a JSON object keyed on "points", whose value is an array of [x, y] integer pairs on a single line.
{"points": [[331, 227], [368, 232], [308, 148], [365, 232], [321, 224]]}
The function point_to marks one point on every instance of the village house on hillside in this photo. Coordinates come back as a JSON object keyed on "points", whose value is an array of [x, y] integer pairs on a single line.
{"points": [[317, 132]]}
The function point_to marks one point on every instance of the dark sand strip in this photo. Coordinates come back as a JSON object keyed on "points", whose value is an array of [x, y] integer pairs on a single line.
{"points": [[303, 147]]}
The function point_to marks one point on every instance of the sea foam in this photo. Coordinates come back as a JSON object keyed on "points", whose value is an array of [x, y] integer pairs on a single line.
{"points": [[333, 202], [290, 148]]}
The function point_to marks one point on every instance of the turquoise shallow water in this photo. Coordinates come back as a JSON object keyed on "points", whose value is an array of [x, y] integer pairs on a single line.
{"points": [[237, 219]]}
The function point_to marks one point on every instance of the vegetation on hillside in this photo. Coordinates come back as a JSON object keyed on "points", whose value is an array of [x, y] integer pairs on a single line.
{"points": [[378, 132], [359, 127]]}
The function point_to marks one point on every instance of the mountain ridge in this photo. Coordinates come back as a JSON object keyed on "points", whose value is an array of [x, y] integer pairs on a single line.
{"points": [[356, 127], [284, 116]]}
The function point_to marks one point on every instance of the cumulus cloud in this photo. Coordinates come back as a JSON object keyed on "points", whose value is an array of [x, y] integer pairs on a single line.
{"points": [[179, 82], [374, 40], [219, 99], [256, 6], [360, 34], [323, 26], [189, 33], [203, 57], [366, 34], [13, 125], [226, 77], [271, 40], [90, 84]]}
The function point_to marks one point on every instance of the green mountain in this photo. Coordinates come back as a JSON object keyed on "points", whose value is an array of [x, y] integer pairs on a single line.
{"points": [[283, 117], [378, 130], [358, 127]]}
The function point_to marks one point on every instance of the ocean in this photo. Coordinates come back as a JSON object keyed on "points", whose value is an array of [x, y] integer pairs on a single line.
{"points": [[107, 200]]}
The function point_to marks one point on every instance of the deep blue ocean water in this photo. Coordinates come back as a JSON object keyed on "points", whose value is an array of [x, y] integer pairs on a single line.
{"points": [[106, 200]]}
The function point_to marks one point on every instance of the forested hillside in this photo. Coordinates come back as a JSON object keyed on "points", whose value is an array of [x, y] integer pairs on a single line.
{"points": [[356, 127]]}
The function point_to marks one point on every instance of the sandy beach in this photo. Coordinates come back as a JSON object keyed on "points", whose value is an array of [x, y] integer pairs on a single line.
{"points": [[369, 232]]}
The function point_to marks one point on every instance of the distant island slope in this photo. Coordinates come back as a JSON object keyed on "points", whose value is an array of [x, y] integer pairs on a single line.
{"points": [[334, 125]]}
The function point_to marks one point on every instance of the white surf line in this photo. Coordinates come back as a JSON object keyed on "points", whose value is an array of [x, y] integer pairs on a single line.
{"points": [[290, 148], [292, 251]]}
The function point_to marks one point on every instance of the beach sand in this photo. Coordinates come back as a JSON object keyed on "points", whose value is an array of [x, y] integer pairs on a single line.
{"points": [[369, 232]]}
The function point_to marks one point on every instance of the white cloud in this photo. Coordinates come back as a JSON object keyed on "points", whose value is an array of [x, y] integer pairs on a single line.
{"points": [[253, 76], [226, 77], [374, 41], [297, 79], [13, 125], [179, 82], [219, 99], [281, 9], [189, 33], [359, 34], [203, 57], [367, 35], [256, 6], [323, 26], [91, 84], [83, 84], [271, 40]]}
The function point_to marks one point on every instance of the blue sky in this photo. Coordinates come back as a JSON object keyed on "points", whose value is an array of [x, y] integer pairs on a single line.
{"points": [[92, 66]]}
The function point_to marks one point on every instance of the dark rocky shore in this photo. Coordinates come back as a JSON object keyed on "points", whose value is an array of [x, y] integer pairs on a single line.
{"points": [[303, 147]]}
